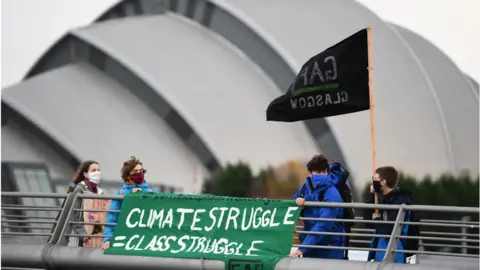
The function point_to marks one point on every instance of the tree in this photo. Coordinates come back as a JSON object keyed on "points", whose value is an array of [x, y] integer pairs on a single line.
{"points": [[233, 180], [280, 182]]}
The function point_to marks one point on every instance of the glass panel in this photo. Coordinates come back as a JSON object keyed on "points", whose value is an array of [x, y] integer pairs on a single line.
{"points": [[35, 186], [61, 188], [23, 186], [3, 228]]}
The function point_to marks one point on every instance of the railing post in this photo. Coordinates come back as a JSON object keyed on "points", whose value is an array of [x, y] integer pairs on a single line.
{"points": [[464, 232], [75, 202], [62, 219], [392, 243]]}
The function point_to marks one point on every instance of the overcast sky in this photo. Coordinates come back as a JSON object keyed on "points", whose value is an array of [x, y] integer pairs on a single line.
{"points": [[29, 27]]}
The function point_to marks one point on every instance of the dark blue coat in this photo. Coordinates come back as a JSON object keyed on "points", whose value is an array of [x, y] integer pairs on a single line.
{"points": [[395, 197], [322, 183]]}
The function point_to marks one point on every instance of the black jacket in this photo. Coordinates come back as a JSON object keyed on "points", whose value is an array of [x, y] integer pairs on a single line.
{"points": [[395, 197]]}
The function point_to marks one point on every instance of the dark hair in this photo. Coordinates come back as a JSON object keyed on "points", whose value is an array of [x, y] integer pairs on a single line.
{"points": [[319, 163], [79, 177], [128, 166], [389, 174]]}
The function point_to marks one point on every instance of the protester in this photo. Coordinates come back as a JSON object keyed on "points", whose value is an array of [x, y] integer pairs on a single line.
{"points": [[87, 177], [319, 186], [133, 175], [384, 184]]}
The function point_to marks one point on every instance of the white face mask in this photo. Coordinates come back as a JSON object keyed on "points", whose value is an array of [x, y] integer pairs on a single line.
{"points": [[95, 177]]}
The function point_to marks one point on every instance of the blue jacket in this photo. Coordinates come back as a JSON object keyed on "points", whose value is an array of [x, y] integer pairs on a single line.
{"points": [[325, 184], [112, 217], [395, 197]]}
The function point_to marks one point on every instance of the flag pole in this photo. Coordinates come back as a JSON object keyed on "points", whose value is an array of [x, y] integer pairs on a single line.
{"points": [[372, 106]]}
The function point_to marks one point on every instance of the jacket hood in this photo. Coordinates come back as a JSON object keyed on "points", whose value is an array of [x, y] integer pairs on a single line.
{"points": [[337, 167], [321, 181], [398, 194], [338, 173]]}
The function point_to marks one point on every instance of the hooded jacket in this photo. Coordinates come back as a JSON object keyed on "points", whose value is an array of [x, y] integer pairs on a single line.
{"points": [[394, 197], [112, 217], [322, 184]]}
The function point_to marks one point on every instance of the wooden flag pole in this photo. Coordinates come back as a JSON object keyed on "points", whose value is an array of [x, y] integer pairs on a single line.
{"points": [[372, 106]]}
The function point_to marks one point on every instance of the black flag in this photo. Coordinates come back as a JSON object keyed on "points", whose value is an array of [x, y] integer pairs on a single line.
{"points": [[332, 82]]}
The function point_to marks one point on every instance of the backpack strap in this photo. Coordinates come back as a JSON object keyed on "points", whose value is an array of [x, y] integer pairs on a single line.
{"points": [[302, 191]]}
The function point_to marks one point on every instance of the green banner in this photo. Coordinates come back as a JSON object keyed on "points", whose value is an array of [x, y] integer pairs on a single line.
{"points": [[244, 233]]}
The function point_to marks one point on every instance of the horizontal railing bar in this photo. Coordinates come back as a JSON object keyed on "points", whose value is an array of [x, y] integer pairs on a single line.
{"points": [[348, 220], [29, 221], [436, 253], [96, 210], [100, 197], [359, 241], [26, 206], [432, 208], [93, 223], [439, 224], [439, 239], [446, 245], [25, 217], [88, 235], [340, 248], [362, 230], [343, 234], [33, 195], [450, 234], [32, 208], [307, 204], [20, 268], [438, 208], [26, 234], [26, 227], [450, 221], [352, 205]]}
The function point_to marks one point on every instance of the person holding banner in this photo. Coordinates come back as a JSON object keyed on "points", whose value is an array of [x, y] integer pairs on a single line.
{"points": [[133, 175], [87, 177], [319, 186]]}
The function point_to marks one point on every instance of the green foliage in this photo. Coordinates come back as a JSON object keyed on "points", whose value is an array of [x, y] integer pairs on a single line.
{"points": [[234, 180]]}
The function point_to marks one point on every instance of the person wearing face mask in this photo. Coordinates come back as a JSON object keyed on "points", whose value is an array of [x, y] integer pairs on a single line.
{"points": [[384, 187], [87, 177], [133, 175], [320, 186]]}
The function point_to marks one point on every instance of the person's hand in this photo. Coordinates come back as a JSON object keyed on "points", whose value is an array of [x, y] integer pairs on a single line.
{"points": [[300, 202], [136, 189], [106, 245], [376, 215], [85, 239], [372, 190], [297, 253]]}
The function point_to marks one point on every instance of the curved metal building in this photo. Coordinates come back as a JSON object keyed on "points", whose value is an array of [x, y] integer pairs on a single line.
{"points": [[184, 85]]}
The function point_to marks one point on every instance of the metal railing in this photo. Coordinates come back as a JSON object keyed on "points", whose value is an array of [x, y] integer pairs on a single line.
{"points": [[56, 231]]}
